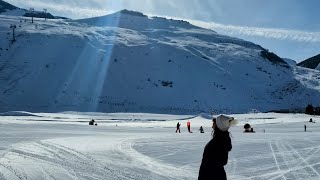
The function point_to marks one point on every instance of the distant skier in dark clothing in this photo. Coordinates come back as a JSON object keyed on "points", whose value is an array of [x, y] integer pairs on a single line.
{"points": [[91, 122], [201, 129], [305, 127], [178, 127], [215, 154]]}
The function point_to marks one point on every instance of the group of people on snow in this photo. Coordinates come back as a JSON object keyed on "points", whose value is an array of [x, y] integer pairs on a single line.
{"points": [[201, 130], [92, 122], [215, 154], [311, 121], [188, 126]]}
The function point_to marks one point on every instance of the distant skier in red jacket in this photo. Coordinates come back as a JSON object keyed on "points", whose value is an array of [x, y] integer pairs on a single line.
{"points": [[189, 128]]}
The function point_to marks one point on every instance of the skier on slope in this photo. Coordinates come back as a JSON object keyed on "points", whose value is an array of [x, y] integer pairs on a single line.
{"points": [[215, 154], [188, 125], [201, 129], [178, 127]]}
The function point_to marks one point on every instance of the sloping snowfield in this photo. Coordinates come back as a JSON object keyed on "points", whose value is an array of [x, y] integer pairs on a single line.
{"points": [[145, 146], [141, 64]]}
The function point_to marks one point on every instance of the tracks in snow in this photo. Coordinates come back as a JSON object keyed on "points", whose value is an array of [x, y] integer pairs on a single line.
{"points": [[48, 160], [158, 167], [290, 162], [121, 160]]}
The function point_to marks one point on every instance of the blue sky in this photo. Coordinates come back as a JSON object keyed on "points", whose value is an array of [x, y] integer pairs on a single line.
{"points": [[290, 28]]}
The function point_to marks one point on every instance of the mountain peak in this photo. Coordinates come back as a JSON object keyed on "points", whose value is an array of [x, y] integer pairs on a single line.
{"points": [[132, 13], [135, 20], [311, 63]]}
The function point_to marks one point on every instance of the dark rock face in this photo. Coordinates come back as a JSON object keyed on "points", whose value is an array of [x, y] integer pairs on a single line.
{"points": [[311, 63]]}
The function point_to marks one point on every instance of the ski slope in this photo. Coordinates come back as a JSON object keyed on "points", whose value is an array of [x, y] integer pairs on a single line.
{"points": [[144, 146]]}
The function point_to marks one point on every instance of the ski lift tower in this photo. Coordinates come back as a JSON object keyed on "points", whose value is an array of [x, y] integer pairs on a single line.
{"points": [[13, 27], [45, 11], [31, 10]]}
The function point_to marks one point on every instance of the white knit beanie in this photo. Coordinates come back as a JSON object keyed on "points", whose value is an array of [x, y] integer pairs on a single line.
{"points": [[224, 122]]}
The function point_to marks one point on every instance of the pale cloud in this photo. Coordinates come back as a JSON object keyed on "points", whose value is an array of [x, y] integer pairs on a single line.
{"points": [[70, 9], [279, 34], [77, 9]]}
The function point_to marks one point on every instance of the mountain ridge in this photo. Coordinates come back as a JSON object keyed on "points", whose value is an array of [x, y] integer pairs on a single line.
{"points": [[9, 9], [6, 6], [311, 63]]}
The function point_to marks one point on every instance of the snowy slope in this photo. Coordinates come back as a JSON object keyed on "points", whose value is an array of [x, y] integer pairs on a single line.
{"points": [[290, 61], [34, 149], [4, 6], [9, 9], [130, 62], [15, 12]]}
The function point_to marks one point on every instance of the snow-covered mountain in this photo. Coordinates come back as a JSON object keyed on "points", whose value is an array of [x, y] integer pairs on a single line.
{"points": [[312, 63], [290, 61], [4, 6], [9, 9], [131, 62]]}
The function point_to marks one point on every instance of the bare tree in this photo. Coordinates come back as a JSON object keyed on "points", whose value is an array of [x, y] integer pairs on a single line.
{"points": [[12, 26], [31, 10]]}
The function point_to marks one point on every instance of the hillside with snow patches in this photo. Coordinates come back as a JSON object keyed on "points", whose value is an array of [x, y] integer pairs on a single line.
{"points": [[129, 62], [11, 10]]}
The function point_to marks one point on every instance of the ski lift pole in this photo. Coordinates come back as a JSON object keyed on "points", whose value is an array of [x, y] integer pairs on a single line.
{"points": [[45, 11], [31, 10], [13, 27]]}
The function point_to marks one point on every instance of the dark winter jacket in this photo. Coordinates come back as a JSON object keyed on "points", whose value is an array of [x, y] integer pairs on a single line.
{"points": [[215, 157], [91, 122]]}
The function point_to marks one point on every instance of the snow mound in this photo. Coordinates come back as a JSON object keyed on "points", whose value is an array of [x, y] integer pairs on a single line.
{"points": [[205, 116], [18, 113], [290, 61]]}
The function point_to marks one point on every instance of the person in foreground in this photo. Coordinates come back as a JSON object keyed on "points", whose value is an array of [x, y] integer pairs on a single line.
{"points": [[215, 154]]}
